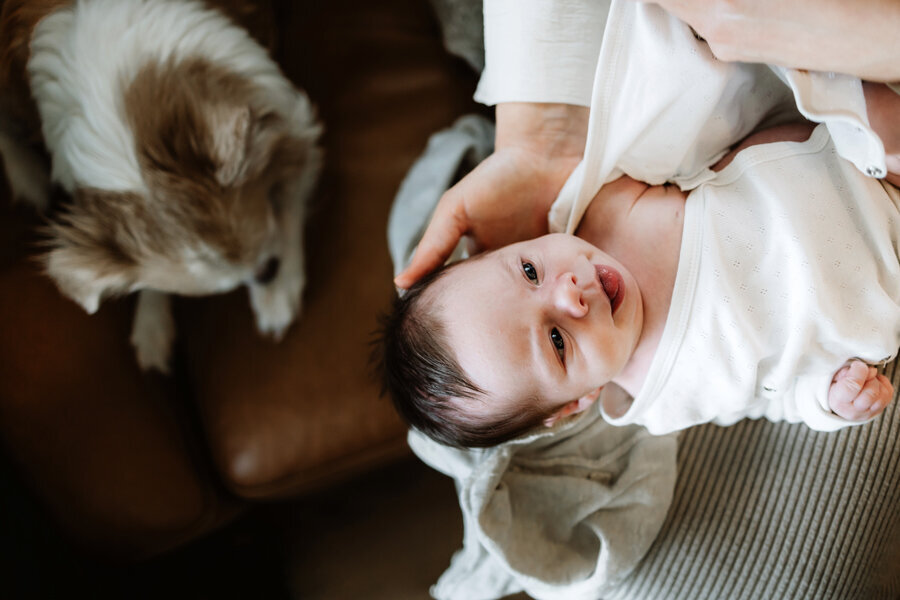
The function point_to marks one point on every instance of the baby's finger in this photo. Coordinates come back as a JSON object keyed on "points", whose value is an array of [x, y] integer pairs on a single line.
{"points": [[871, 373], [858, 371], [848, 382], [885, 391], [873, 399], [887, 384], [841, 399]]}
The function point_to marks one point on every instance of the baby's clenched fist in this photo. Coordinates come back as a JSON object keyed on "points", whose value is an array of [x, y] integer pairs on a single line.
{"points": [[858, 392]]}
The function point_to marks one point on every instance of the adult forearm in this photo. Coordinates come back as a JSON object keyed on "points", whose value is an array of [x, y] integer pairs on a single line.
{"points": [[554, 130]]}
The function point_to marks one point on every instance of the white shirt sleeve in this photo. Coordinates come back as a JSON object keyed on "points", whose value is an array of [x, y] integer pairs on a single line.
{"points": [[541, 50], [838, 101], [807, 401]]}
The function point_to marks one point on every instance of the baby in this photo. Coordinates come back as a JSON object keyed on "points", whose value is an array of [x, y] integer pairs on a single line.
{"points": [[768, 291]]}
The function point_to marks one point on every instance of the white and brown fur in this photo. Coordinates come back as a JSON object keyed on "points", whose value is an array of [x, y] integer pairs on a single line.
{"points": [[187, 154]]}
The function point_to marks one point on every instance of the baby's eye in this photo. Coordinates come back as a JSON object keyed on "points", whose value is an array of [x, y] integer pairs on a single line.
{"points": [[558, 342], [530, 271]]}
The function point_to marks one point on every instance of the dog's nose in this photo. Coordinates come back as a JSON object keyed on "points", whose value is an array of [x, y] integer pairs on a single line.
{"points": [[269, 271]]}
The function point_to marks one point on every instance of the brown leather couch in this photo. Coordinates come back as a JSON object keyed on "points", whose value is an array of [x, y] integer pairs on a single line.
{"points": [[131, 464]]}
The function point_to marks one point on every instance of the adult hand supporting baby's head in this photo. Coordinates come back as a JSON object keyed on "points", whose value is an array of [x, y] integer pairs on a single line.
{"points": [[506, 198], [858, 38]]}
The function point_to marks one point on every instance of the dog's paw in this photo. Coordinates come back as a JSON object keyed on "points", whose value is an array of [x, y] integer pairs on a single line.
{"points": [[277, 304], [153, 332]]}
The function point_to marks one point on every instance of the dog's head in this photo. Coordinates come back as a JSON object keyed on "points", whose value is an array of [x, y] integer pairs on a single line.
{"points": [[221, 160]]}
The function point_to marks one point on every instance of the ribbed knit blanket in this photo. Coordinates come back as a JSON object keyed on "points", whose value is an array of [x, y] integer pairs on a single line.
{"points": [[775, 510]]}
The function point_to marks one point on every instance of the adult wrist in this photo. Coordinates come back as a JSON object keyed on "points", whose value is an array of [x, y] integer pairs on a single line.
{"points": [[551, 129]]}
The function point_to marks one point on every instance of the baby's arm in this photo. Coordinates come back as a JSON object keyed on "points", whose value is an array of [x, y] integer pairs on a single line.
{"points": [[883, 106], [858, 392], [790, 132]]}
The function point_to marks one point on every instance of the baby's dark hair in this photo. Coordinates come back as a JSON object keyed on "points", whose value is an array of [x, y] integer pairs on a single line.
{"points": [[426, 383]]}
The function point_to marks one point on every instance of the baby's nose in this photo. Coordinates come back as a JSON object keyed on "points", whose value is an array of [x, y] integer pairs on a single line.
{"points": [[568, 297]]}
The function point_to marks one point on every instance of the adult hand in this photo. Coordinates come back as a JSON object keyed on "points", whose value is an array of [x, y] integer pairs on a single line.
{"points": [[858, 38], [506, 198]]}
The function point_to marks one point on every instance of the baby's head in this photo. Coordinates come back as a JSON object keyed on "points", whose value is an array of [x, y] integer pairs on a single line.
{"points": [[485, 349]]}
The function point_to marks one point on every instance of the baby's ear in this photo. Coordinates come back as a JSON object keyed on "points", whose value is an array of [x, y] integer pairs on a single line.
{"points": [[573, 407]]}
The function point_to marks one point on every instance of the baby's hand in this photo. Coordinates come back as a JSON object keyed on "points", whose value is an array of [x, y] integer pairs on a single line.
{"points": [[858, 392]]}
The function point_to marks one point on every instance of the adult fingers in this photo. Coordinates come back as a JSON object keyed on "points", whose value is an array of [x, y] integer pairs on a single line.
{"points": [[443, 233]]}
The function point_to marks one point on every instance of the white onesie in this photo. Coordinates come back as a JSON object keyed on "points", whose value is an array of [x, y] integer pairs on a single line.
{"points": [[664, 109], [788, 268]]}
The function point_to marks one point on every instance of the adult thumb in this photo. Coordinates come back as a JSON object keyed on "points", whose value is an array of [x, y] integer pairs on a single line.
{"points": [[443, 233]]}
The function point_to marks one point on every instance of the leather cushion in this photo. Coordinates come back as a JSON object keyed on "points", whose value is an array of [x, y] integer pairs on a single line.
{"points": [[283, 417]]}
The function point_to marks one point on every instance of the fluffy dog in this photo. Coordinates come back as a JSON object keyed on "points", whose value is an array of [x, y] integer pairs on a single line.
{"points": [[187, 154]]}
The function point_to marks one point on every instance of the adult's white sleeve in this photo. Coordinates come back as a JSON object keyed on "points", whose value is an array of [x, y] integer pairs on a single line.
{"points": [[541, 50]]}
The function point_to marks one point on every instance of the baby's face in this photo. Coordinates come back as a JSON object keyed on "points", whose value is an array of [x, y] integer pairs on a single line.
{"points": [[552, 318]]}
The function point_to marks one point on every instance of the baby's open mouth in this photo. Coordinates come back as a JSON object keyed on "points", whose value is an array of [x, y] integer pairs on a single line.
{"points": [[613, 285]]}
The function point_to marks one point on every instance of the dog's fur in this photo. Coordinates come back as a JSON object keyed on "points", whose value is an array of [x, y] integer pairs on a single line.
{"points": [[188, 156]]}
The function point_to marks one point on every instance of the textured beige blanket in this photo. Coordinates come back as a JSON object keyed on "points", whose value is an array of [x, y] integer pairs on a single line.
{"points": [[774, 510]]}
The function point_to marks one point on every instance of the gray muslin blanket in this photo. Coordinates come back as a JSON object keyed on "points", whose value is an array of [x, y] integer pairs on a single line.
{"points": [[564, 513]]}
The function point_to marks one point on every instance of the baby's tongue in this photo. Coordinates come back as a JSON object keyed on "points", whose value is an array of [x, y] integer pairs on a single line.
{"points": [[611, 282]]}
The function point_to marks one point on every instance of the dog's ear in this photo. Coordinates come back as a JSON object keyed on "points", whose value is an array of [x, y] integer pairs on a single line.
{"points": [[86, 275], [244, 141], [230, 127], [77, 278], [86, 261]]}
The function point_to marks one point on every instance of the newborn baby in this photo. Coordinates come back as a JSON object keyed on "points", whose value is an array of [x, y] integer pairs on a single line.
{"points": [[770, 290]]}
